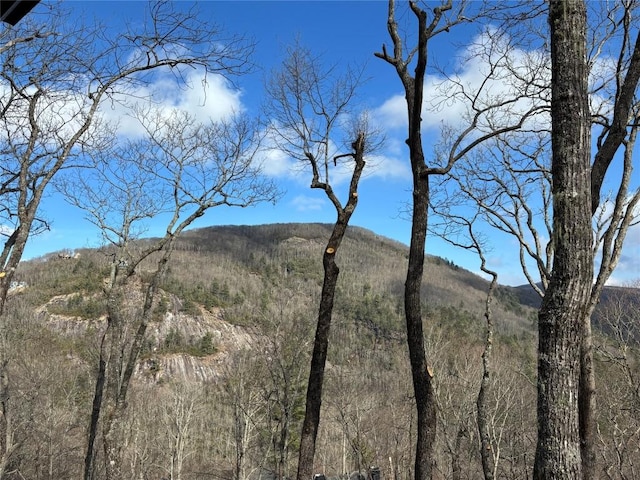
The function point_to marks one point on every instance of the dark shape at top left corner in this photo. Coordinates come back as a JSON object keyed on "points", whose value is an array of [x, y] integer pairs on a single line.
{"points": [[12, 11]]}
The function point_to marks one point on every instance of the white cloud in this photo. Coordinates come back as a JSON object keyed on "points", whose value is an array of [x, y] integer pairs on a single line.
{"points": [[628, 269], [59, 114], [483, 76], [387, 168], [6, 230], [305, 203], [603, 70], [276, 163], [392, 113], [447, 99], [205, 96]]}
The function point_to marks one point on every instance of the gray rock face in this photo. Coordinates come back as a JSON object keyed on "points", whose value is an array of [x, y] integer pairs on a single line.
{"points": [[157, 366]]}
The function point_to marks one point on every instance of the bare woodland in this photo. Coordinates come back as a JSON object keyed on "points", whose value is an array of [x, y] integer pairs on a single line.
{"points": [[292, 350]]}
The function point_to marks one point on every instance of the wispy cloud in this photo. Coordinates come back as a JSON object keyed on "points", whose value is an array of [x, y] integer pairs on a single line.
{"points": [[387, 168], [276, 163], [6, 230], [447, 99], [628, 269], [305, 203], [208, 97]]}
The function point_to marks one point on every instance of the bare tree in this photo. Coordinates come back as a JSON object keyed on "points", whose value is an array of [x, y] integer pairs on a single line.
{"points": [[177, 171], [54, 79], [560, 316], [43, 428], [413, 85], [51, 97], [511, 178], [619, 407], [178, 417], [566, 299], [460, 231], [307, 103], [241, 390], [284, 386], [482, 117]]}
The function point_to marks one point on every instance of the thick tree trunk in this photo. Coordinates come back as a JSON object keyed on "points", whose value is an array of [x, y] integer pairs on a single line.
{"points": [[114, 374], [560, 320], [421, 372], [318, 362], [111, 404], [112, 442], [119, 354]]}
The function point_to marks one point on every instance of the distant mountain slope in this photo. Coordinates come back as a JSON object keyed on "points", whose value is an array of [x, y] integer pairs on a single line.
{"points": [[611, 295], [366, 260], [232, 328], [241, 276]]}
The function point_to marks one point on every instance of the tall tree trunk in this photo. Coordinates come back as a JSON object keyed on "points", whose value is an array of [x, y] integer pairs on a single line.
{"points": [[311, 420], [318, 361], [112, 407], [95, 412], [482, 404], [116, 367], [112, 443], [421, 372], [560, 320], [587, 403]]}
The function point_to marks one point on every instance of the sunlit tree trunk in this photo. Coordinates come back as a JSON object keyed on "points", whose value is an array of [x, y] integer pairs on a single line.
{"points": [[563, 307], [305, 102], [311, 421], [414, 87]]}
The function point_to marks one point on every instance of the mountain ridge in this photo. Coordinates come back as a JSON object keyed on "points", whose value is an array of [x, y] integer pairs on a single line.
{"points": [[230, 338]]}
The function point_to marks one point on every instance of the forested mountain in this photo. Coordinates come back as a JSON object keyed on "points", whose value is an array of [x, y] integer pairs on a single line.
{"points": [[219, 391], [193, 355]]}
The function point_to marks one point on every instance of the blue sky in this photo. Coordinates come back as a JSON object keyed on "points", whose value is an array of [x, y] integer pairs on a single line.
{"points": [[344, 32]]}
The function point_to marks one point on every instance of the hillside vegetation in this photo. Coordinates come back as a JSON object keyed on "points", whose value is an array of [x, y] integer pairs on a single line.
{"points": [[219, 392]]}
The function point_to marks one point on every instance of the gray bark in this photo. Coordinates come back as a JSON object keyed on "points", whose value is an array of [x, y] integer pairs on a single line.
{"points": [[560, 318]]}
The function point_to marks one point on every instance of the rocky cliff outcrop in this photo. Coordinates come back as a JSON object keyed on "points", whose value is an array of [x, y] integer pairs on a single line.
{"points": [[157, 364]]}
